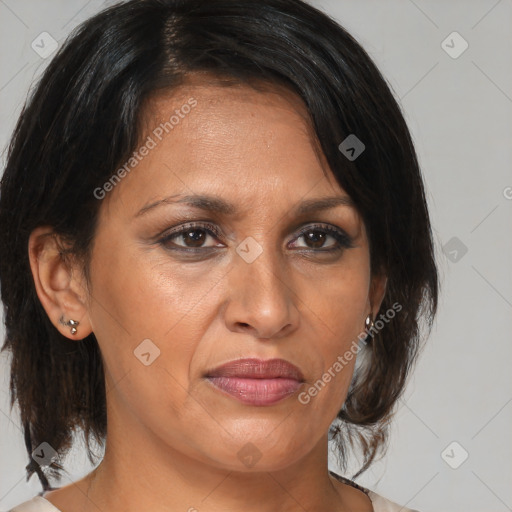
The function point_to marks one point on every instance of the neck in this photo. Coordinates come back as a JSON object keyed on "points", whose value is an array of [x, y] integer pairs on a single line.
{"points": [[141, 475]]}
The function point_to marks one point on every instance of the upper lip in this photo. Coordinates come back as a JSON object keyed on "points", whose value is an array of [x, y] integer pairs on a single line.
{"points": [[258, 369]]}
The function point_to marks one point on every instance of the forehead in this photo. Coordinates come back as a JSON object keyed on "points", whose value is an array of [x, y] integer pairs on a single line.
{"points": [[229, 113], [228, 140]]}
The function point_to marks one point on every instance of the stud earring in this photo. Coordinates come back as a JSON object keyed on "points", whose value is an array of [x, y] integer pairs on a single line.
{"points": [[71, 323], [368, 325]]}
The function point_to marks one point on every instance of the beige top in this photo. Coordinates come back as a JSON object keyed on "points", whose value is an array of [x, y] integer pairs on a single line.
{"points": [[379, 503]]}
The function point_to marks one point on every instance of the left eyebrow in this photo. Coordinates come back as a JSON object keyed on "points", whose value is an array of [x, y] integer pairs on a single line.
{"points": [[218, 205], [324, 203]]}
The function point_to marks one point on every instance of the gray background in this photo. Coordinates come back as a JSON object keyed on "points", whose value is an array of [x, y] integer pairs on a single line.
{"points": [[459, 111]]}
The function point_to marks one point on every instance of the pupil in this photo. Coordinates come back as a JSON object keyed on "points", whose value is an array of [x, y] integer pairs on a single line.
{"points": [[317, 239], [196, 240]]}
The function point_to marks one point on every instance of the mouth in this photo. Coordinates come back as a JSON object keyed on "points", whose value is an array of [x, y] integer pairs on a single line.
{"points": [[256, 381]]}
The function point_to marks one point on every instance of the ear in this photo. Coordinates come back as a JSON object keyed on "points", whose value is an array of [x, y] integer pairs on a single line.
{"points": [[59, 286], [378, 287]]}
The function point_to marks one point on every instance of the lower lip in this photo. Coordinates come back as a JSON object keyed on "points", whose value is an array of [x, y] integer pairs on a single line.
{"points": [[256, 391]]}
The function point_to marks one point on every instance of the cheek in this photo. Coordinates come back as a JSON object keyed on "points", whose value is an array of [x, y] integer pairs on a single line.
{"points": [[144, 293], [148, 323], [140, 297], [338, 304], [339, 297]]}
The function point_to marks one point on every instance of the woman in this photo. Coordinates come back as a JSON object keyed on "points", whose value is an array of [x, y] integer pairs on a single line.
{"points": [[215, 256]]}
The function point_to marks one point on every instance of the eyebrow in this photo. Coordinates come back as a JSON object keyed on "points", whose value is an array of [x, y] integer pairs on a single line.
{"points": [[217, 205]]}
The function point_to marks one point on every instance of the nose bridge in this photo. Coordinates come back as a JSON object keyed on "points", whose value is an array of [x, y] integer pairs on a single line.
{"points": [[259, 295]]}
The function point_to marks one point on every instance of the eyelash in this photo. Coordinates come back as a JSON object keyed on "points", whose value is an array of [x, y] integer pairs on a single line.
{"points": [[344, 241]]}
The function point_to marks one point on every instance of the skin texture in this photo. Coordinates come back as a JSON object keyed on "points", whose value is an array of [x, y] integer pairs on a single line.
{"points": [[173, 439]]}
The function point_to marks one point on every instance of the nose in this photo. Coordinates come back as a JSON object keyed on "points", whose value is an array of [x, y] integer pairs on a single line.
{"points": [[261, 299]]}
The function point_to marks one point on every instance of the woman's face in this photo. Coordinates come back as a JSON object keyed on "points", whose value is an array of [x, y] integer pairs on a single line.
{"points": [[181, 284]]}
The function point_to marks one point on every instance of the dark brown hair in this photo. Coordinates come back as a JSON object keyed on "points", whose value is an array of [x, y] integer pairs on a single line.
{"points": [[83, 120]]}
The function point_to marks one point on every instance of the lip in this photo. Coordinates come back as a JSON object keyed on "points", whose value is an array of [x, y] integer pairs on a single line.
{"points": [[256, 381]]}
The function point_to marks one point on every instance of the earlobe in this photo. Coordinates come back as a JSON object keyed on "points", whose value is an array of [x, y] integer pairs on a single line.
{"points": [[72, 324], [55, 285]]}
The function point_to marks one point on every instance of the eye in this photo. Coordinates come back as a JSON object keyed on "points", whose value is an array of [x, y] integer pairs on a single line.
{"points": [[315, 237], [191, 236]]}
